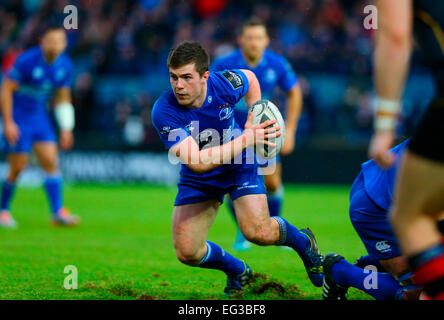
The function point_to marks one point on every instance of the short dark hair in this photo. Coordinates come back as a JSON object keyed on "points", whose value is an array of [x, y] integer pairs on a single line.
{"points": [[189, 52], [252, 22]]}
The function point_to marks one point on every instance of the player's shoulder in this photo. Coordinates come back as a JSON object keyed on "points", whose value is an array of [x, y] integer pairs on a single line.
{"points": [[275, 58], [232, 77], [225, 60], [234, 54], [64, 59], [29, 55], [166, 105]]}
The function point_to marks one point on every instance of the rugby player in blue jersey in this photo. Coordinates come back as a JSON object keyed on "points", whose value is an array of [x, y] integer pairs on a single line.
{"points": [[370, 199], [272, 70], [25, 92], [194, 119]]}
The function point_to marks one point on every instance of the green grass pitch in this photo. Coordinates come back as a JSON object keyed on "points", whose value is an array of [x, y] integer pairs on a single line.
{"points": [[123, 248]]}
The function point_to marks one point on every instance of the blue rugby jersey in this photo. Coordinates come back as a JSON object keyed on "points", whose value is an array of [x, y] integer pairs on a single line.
{"points": [[272, 71], [378, 182], [210, 125], [37, 79]]}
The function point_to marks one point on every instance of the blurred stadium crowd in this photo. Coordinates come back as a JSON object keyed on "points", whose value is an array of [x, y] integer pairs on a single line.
{"points": [[120, 49]]}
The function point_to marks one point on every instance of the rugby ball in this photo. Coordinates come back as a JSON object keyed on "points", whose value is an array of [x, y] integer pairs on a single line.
{"points": [[264, 110]]}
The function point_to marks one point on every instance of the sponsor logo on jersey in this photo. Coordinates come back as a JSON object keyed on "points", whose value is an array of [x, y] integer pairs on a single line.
{"points": [[383, 246], [247, 185], [165, 130], [233, 78]]}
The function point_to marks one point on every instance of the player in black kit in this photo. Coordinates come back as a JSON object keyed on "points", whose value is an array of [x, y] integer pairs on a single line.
{"points": [[419, 191]]}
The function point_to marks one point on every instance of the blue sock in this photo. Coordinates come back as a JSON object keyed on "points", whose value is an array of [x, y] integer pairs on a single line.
{"points": [[7, 194], [370, 261], [291, 237], [274, 200], [217, 258], [53, 186], [387, 288]]}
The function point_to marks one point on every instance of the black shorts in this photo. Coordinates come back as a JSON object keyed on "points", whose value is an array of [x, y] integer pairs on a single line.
{"points": [[428, 140]]}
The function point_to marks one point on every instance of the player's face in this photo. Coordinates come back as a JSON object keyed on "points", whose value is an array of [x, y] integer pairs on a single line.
{"points": [[187, 84], [54, 43], [253, 41]]}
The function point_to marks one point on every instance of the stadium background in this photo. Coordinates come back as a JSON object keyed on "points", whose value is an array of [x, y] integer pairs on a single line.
{"points": [[123, 247], [119, 52]]}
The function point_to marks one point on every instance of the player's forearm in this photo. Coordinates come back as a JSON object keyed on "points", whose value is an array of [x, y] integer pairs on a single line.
{"points": [[294, 108], [391, 65], [6, 104], [214, 157], [391, 60]]}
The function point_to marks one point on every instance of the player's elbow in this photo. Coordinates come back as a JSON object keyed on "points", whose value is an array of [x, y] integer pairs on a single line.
{"points": [[397, 37], [199, 168]]}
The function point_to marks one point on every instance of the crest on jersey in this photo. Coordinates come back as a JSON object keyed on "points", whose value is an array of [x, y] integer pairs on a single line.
{"points": [[225, 113], [233, 78]]}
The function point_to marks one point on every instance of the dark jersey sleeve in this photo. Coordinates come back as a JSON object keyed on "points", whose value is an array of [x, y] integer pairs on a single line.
{"points": [[232, 84], [20, 69]]}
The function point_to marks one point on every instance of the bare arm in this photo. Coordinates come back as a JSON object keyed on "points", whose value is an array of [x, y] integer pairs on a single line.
{"points": [[204, 160], [391, 62], [7, 90], [254, 91], [62, 95], [294, 108], [11, 130], [392, 47], [63, 101]]}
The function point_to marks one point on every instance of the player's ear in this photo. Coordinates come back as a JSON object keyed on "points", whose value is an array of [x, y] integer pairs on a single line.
{"points": [[206, 75]]}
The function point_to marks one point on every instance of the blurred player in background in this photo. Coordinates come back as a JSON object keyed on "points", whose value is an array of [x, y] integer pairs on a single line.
{"points": [[200, 102], [25, 91], [271, 70], [419, 192], [370, 201]]}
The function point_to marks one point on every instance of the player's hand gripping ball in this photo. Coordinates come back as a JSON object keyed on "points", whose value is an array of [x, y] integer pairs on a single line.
{"points": [[264, 110]]}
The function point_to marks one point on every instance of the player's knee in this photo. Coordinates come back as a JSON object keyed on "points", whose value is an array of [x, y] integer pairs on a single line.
{"points": [[257, 234], [50, 166], [273, 185], [395, 217], [15, 171], [189, 256]]}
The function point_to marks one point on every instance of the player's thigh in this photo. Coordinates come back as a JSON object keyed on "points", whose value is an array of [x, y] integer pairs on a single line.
{"points": [[418, 203], [47, 155], [191, 223], [252, 213], [419, 187], [396, 266], [273, 179]]}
